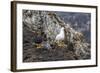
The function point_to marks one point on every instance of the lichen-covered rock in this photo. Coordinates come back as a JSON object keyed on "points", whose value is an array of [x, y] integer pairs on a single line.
{"points": [[47, 25]]}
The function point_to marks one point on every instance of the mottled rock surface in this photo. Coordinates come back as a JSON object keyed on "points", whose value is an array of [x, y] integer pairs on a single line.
{"points": [[46, 25]]}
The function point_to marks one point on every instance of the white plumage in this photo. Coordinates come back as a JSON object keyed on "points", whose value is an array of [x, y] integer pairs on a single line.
{"points": [[61, 35]]}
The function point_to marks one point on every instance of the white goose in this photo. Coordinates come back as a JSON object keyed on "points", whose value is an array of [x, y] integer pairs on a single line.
{"points": [[60, 37]]}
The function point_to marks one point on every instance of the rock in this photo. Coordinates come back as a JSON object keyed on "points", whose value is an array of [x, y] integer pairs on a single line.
{"points": [[46, 45], [48, 25]]}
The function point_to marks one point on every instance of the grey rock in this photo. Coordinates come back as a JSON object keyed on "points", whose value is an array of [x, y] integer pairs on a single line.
{"points": [[48, 24]]}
